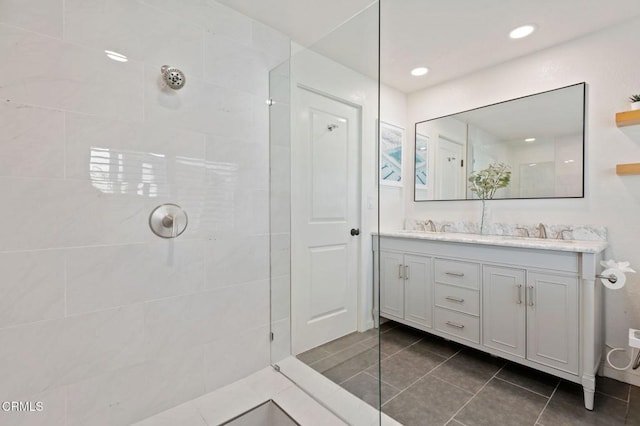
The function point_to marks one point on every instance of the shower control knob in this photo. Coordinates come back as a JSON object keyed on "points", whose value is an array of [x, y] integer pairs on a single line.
{"points": [[168, 220], [355, 231]]}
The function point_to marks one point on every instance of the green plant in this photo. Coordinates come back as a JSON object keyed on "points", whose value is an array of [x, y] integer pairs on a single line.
{"points": [[634, 98], [484, 183]]}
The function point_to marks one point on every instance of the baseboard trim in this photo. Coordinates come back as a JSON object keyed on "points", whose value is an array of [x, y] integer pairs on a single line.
{"points": [[627, 376]]}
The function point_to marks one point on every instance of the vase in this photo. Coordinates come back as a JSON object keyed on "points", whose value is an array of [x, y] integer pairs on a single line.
{"points": [[484, 220], [635, 106]]}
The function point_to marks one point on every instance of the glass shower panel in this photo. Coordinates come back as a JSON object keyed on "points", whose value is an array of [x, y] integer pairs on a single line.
{"points": [[280, 210], [323, 192]]}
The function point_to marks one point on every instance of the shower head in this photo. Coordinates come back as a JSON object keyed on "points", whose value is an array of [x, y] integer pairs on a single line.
{"points": [[173, 77]]}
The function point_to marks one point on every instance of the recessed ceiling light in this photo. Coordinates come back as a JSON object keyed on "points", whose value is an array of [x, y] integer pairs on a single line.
{"points": [[417, 72], [522, 31], [118, 57], [423, 148], [530, 140], [533, 164], [568, 161]]}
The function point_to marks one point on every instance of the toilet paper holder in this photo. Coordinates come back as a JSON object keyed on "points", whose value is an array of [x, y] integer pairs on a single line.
{"points": [[612, 278]]}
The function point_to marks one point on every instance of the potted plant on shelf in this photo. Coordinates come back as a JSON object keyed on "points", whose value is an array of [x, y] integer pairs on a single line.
{"points": [[635, 102], [484, 184]]}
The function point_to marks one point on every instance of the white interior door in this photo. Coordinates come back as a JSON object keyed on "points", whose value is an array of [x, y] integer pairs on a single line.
{"points": [[325, 202], [450, 166]]}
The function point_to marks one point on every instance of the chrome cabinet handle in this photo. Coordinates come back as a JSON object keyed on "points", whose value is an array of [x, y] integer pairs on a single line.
{"points": [[400, 271], [530, 296], [519, 286], [455, 274], [406, 272], [454, 324], [455, 299]]}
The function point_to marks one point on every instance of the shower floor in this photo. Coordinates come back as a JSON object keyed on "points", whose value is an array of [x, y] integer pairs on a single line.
{"points": [[425, 377], [231, 405], [268, 413]]}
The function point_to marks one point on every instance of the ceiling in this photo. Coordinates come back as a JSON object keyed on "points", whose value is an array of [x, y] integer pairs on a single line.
{"points": [[451, 37]]}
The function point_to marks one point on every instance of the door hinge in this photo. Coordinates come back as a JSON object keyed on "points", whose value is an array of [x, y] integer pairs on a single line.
{"points": [[270, 102], [271, 336]]}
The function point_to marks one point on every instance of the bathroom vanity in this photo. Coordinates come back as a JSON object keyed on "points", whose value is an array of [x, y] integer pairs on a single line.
{"points": [[531, 301]]}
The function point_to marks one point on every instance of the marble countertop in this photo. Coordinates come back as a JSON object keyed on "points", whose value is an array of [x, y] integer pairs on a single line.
{"points": [[504, 241]]}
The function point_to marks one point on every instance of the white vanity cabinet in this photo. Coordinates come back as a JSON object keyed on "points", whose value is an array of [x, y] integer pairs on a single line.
{"points": [[532, 302], [504, 302], [457, 298], [405, 290], [532, 315], [553, 325]]}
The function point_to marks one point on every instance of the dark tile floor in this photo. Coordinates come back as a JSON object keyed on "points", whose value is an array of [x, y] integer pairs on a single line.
{"points": [[430, 381]]}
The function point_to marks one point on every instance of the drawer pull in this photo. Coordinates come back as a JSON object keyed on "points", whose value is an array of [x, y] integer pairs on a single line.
{"points": [[455, 274], [530, 296], [454, 324], [400, 271], [406, 272], [455, 299]]}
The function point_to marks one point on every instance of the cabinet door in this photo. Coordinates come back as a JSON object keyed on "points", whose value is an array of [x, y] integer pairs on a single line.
{"points": [[503, 309], [391, 284], [552, 320], [418, 289]]}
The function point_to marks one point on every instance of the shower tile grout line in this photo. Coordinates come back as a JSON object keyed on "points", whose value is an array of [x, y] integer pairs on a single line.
{"points": [[140, 302]]}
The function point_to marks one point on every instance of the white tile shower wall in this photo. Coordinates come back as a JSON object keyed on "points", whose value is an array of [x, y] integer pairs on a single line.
{"points": [[99, 319], [32, 142]]}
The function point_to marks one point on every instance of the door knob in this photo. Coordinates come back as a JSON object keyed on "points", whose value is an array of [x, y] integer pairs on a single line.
{"points": [[355, 231]]}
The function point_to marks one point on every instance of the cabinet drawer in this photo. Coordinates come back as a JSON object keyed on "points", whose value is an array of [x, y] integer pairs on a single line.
{"points": [[458, 324], [457, 298], [466, 274]]}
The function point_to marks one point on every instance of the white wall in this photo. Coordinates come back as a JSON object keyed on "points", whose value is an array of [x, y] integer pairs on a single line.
{"points": [[100, 319], [604, 60]]}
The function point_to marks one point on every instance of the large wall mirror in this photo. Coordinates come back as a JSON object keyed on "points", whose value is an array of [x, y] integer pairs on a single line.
{"points": [[539, 137]]}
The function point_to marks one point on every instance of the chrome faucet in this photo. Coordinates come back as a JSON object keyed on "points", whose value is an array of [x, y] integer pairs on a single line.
{"points": [[525, 231], [431, 225], [443, 228], [560, 234], [542, 231]]}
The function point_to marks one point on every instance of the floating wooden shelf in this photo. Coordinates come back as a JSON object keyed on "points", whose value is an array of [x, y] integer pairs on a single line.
{"points": [[628, 169], [628, 118], [625, 119]]}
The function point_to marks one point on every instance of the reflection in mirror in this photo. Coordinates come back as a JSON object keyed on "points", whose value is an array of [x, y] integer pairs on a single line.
{"points": [[422, 155], [540, 137]]}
